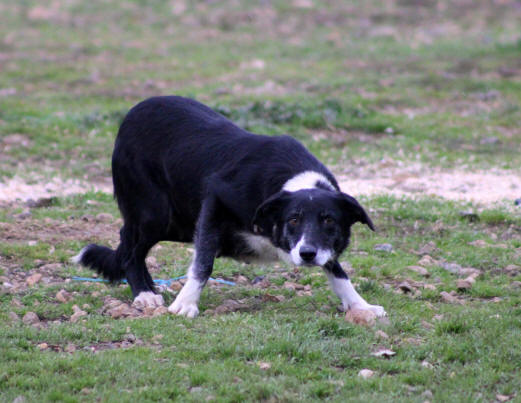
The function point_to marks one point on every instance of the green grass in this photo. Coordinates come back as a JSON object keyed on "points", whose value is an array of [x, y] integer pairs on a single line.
{"points": [[357, 82]]}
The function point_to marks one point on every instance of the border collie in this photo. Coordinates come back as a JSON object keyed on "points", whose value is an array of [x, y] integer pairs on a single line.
{"points": [[185, 173]]}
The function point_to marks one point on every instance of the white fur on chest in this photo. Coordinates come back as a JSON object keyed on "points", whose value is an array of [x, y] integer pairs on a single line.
{"points": [[263, 250]]}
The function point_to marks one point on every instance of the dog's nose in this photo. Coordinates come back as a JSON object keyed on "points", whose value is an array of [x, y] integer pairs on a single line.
{"points": [[307, 253]]}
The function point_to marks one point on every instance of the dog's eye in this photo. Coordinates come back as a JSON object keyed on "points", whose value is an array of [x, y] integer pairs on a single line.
{"points": [[293, 221], [328, 220]]}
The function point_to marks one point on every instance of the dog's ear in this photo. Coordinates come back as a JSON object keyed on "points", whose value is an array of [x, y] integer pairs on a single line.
{"points": [[353, 211], [268, 213]]}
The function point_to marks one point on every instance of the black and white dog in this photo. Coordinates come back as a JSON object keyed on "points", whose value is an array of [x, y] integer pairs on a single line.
{"points": [[185, 173]]}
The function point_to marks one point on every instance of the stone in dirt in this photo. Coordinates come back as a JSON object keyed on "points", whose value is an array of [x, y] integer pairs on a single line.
{"points": [[383, 352], [70, 348], [78, 313], [50, 267], [366, 373], [381, 334], [512, 269], [427, 249], [33, 279], [384, 247], [422, 271], [42, 346], [63, 296], [427, 260], [242, 280], [361, 317], [405, 287], [451, 299], [465, 284], [104, 217], [30, 318], [293, 286], [13, 317], [229, 305], [453, 268]]}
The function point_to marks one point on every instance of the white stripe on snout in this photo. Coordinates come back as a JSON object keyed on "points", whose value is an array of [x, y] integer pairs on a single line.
{"points": [[295, 252], [306, 180]]}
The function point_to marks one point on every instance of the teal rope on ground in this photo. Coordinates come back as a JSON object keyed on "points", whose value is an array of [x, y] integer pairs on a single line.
{"points": [[157, 281]]}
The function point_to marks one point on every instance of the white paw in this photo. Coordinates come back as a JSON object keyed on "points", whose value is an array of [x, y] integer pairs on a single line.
{"points": [[184, 308], [148, 299], [378, 310]]}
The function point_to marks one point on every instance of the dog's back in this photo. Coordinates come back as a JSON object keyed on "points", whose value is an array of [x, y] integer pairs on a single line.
{"points": [[171, 148]]}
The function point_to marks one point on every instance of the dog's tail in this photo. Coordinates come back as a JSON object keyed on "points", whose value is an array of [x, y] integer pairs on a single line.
{"points": [[105, 261]]}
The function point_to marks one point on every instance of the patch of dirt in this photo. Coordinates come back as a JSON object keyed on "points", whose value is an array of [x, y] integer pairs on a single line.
{"points": [[83, 229], [18, 189], [391, 177], [416, 180]]}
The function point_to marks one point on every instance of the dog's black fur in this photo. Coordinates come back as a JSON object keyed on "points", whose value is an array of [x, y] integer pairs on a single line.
{"points": [[183, 172]]}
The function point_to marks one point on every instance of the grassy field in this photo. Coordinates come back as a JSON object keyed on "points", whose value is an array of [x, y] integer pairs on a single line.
{"points": [[362, 84]]}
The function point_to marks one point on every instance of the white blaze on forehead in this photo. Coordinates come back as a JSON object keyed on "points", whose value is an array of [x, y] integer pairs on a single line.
{"points": [[306, 180]]}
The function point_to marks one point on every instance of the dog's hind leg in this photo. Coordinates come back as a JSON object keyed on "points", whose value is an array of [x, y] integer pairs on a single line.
{"points": [[207, 241], [344, 289], [137, 244]]}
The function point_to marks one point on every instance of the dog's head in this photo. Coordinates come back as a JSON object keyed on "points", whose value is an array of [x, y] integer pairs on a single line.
{"points": [[312, 225]]}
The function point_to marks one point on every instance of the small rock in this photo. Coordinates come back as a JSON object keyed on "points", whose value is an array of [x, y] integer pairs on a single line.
{"points": [[50, 267], [104, 217], [63, 296], [78, 313], [383, 352], [362, 317], [512, 269], [422, 271], [176, 285], [381, 334], [427, 364], [123, 311], [19, 399], [30, 318], [384, 247], [365, 373], [470, 272], [427, 260], [453, 268], [33, 279], [264, 365], [464, 284], [427, 249], [229, 305], [42, 346], [446, 297], [515, 284], [503, 398], [405, 287], [13, 317], [429, 287], [489, 141], [273, 298], [242, 280], [427, 394], [160, 310], [479, 243], [70, 348]]}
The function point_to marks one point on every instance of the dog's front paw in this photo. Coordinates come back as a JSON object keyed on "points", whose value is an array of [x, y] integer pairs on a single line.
{"points": [[147, 299], [378, 310], [184, 308]]}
